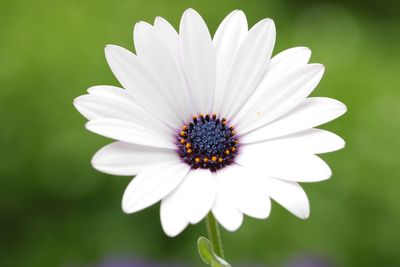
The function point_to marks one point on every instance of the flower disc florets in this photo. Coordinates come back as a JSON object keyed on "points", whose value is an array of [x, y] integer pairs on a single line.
{"points": [[207, 142]]}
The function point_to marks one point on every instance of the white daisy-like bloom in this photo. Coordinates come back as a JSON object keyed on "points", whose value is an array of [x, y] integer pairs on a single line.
{"points": [[212, 124]]}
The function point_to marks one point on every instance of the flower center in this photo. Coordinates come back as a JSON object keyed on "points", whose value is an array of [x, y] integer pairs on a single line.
{"points": [[207, 142]]}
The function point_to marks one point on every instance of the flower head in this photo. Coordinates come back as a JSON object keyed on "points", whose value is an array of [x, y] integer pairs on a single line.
{"points": [[212, 124]]}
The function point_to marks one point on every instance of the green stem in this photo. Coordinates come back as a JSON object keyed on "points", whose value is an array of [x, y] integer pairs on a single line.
{"points": [[214, 235]]}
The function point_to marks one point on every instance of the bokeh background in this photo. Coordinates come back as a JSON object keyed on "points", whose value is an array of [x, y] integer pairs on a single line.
{"points": [[55, 210]]}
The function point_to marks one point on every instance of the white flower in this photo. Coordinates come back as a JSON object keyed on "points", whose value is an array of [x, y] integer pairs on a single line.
{"points": [[254, 142]]}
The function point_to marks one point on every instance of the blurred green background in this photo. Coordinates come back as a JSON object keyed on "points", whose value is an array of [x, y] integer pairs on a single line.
{"points": [[55, 210]]}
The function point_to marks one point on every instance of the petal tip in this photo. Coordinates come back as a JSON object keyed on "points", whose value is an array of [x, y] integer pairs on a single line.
{"points": [[96, 160], [110, 50], [268, 23], [306, 50], [89, 125], [344, 107], [190, 10], [126, 203], [76, 101], [125, 207], [234, 228], [238, 12], [109, 47], [174, 229], [317, 66], [190, 13], [172, 233], [158, 20], [304, 216]]}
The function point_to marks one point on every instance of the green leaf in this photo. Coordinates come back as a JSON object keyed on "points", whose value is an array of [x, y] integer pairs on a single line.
{"points": [[207, 254], [205, 250]]}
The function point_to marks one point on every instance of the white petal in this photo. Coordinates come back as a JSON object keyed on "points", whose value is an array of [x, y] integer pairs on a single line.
{"points": [[142, 83], [198, 194], [130, 132], [287, 166], [173, 218], [249, 65], [314, 141], [286, 61], [285, 94], [244, 188], [121, 158], [198, 58], [290, 195], [96, 107], [310, 113], [227, 40], [279, 65], [169, 33], [111, 92], [113, 103], [153, 184], [226, 214], [152, 47]]}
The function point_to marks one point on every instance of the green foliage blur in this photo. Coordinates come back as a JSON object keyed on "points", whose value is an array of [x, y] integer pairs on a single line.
{"points": [[55, 210]]}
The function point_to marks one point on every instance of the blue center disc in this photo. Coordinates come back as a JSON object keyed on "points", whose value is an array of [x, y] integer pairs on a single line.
{"points": [[207, 142]]}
